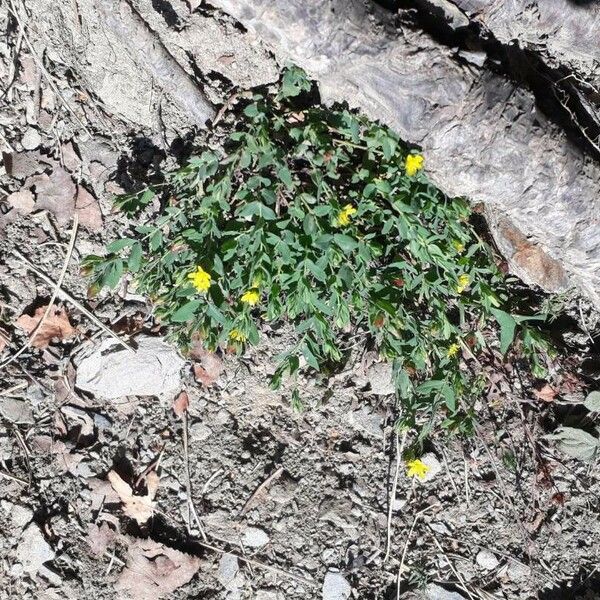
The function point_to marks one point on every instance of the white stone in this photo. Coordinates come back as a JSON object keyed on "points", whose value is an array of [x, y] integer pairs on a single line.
{"points": [[112, 371], [434, 465], [336, 587], [33, 550], [487, 560], [31, 139], [228, 569], [380, 377], [437, 592], [254, 537]]}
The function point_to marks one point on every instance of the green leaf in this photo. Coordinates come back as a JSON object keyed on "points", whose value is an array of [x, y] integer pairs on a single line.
{"points": [[257, 209], [186, 312], [135, 258], [118, 245], [113, 274], [576, 443], [507, 328], [345, 242], [286, 176]]}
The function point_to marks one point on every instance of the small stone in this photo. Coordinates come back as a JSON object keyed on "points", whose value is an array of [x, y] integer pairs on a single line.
{"points": [[31, 139], [112, 371], [200, 432], [380, 377], [517, 572], [267, 595], [487, 560], [33, 550], [437, 592], [15, 410], [228, 569], [336, 587], [254, 537], [22, 201], [19, 515], [434, 465]]}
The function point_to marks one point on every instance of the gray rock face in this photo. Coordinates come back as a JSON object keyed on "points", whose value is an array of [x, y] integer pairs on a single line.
{"points": [[483, 138], [111, 371]]}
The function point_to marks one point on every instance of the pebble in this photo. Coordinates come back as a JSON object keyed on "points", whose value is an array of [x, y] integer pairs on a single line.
{"points": [[16, 411], [437, 592], [31, 139], [228, 569], [336, 587], [22, 201], [434, 465], [487, 560], [254, 537], [380, 378]]}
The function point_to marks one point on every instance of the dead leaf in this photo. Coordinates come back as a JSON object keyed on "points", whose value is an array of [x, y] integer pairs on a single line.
{"points": [[545, 392], [207, 365], [101, 492], [55, 326], [54, 193], [88, 210], [140, 508], [181, 404], [22, 201], [154, 571], [99, 538]]}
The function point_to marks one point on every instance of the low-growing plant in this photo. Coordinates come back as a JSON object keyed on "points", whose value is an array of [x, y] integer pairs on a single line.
{"points": [[324, 219]]}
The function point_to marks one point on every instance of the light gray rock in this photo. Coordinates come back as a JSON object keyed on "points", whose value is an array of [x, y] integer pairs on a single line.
{"points": [[379, 376], [486, 560], [435, 467], [31, 139], [437, 592], [19, 515], [33, 550], [336, 587], [111, 371], [15, 410], [254, 537], [228, 570]]}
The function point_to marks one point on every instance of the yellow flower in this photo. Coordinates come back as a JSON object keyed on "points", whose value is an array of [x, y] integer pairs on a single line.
{"points": [[458, 246], [200, 279], [463, 283], [453, 350], [416, 468], [251, 297], [413, 164], [237, 335], [345, 214]]}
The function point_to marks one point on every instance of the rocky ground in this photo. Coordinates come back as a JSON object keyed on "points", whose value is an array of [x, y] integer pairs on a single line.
{"points": [[144, 474]]}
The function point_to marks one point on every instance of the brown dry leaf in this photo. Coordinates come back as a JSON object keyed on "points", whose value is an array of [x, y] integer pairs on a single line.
{"points": [[99, 538], [140, 508], [154, 571], [55, 193], [56, 325], [181, 404], [88, 210], [207, 365], [546, 393]]}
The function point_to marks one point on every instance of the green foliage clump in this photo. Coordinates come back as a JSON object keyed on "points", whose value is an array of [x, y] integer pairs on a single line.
{"points": [[324, 219]]}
